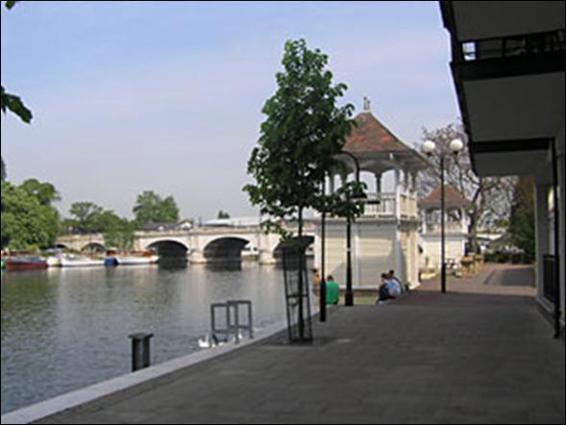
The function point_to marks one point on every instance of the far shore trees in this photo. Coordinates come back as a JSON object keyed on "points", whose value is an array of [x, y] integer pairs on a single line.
{"points": [[29, 219], [152, 208]]}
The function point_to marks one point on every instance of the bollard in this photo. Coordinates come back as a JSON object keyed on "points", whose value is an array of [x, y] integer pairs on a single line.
{"points": [[140, 350]]}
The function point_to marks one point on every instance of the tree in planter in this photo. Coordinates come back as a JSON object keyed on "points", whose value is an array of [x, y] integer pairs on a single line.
{"points": [[303, 132], [490, 197], [298, 144]]}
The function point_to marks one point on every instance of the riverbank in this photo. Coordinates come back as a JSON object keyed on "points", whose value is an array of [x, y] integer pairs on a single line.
{"points": [[480, 354]]}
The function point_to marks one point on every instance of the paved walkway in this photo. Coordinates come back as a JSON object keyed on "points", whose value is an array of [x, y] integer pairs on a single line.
{"points": [[479, 354]]}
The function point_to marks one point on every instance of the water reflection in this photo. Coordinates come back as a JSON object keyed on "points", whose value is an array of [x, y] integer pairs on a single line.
{"points": [[67, 328]]}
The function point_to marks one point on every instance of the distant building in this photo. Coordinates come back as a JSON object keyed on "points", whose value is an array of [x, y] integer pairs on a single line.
{"points": [[232, 222], [456, 227], [184, 225]]}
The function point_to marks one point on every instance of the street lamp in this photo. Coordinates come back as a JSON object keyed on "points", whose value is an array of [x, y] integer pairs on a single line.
{"points": [[349, 296], [429, 147]]}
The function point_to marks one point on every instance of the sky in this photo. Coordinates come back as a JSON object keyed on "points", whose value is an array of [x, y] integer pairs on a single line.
{"points": [[167, 96]]}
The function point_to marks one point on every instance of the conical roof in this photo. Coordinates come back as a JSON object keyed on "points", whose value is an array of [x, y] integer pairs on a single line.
{"points": [[453, 198], [371, 136]]}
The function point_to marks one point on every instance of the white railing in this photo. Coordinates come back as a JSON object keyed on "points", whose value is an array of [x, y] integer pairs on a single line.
{"points": [[385, 208], [454, 227]]}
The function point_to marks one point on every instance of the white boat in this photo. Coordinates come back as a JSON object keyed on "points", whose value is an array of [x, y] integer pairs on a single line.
{"points": [[79, 261], [53, 262], [136, 260]]}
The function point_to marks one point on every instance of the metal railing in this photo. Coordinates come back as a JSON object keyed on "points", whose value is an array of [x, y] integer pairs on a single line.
{"points": [[513, 46], [232, 325]]}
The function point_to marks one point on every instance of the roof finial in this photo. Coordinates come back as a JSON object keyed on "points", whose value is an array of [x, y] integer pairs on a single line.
{"points": [[367, 104]]}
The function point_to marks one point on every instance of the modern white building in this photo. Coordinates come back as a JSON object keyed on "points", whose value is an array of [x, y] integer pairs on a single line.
{"points": [[386, 236], [508, 64], [456, 228]]}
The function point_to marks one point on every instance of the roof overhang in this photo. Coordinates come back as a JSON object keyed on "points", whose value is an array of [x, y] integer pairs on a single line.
{"points": [[511, 98]]}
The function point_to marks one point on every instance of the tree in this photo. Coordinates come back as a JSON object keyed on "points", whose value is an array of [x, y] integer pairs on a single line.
{"points": [[118, 232], [151, 208], [26, 222], [299, 139], [489, 197], [43, 191], [223, 214], [85, 216], [522, 219]]}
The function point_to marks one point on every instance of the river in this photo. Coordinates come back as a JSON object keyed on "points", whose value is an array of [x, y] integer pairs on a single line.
{"points": [[64, 329]]}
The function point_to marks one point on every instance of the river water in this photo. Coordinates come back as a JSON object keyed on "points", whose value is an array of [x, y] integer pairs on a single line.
{"points": [[64, 329]]}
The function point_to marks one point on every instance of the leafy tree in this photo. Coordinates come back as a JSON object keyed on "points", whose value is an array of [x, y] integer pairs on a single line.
{"points": [[85, 216], [522, 219], [300, 138], [11, 102], [223, 214], [151, 208], [118, 232], [489, 197], [43, 191], [26, 222]]}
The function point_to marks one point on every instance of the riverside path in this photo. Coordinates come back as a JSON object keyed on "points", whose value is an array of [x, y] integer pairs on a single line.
{"points": [[482, 353]]}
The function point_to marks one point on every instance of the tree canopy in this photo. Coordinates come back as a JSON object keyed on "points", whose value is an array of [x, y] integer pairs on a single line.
{"points": [[152, 208], [28, 220], [303, 132]]}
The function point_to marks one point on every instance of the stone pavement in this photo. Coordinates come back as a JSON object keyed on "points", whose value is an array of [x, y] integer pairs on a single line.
{"points": [[480, 354]]}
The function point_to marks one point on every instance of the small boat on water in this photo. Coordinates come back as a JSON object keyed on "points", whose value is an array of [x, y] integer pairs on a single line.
{"points": [[24, 263], [53, 262], [136, 260], [80, 261]]}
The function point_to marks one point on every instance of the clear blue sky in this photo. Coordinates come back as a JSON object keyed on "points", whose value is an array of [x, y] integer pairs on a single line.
{"points": [[167, 95]]}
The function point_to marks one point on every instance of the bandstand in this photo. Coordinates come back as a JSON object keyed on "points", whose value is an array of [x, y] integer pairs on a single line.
{"points": [[385, 237]]}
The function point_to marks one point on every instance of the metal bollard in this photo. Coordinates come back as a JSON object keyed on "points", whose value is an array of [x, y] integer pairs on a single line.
{"points": [[140, 350]]}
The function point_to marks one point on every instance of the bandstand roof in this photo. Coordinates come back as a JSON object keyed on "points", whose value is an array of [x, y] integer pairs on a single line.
{"points": [[378, 149], [453, 198]]}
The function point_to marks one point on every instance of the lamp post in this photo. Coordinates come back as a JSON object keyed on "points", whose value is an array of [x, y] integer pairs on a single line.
{"points": [[429, 147], [322, 288], [349, 296]]}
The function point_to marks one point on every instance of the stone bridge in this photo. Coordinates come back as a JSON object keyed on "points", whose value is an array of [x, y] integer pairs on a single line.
{"points": [[200, 245]]}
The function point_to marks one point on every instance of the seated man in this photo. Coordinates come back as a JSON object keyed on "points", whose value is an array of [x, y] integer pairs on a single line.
{"points": [[332, 291], [389, 288], [396, 279]]}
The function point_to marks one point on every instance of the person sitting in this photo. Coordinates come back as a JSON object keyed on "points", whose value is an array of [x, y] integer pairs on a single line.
{"points": [[393, 288], [332, 291], [389, 288], [397, 280]]}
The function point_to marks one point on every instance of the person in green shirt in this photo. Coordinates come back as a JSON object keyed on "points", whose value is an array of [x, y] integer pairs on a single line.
{"points": [[332, 291]]}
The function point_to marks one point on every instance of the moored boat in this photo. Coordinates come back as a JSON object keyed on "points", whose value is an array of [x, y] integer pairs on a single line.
{"points": [[53, 262], [25, 263], [135, 260], [80, 261]]}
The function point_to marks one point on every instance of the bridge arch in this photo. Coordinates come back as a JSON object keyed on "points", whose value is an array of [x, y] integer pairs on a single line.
{"points": [[169, 248], [93, 247], [227, 248]]}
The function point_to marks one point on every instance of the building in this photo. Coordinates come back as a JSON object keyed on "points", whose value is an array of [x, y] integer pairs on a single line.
{"points": [[508, 64], [386, 236], [456, 227]]}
